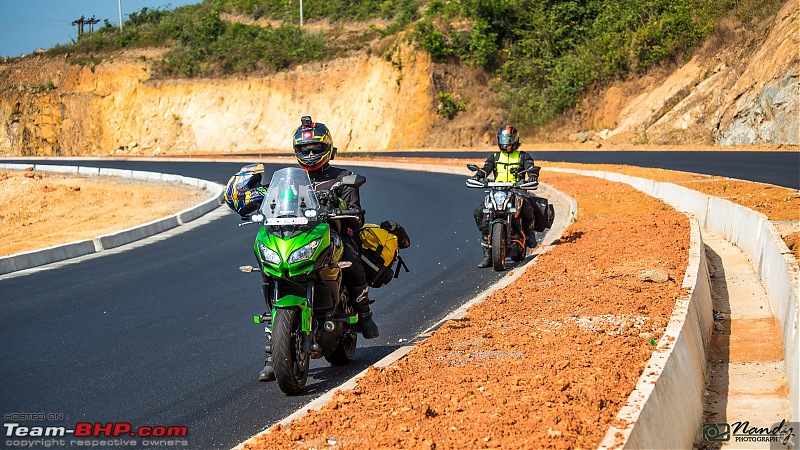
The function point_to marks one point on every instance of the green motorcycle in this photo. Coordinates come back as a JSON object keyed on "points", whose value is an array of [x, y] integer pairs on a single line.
{"points": [[299, 255]]}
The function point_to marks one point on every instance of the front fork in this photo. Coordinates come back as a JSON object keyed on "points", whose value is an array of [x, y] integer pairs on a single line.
{"points": [[508, 227], [275, 301]]}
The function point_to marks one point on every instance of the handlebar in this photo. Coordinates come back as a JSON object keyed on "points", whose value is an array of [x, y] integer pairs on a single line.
{"points": [[527, 185], [344, 214], [353, 211]]}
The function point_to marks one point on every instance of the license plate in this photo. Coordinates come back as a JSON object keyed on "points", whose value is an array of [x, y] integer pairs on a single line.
{"points": [[287, 221]]}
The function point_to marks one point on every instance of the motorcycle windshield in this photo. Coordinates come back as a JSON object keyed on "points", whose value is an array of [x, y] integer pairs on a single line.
{"points": [[290, 199]]}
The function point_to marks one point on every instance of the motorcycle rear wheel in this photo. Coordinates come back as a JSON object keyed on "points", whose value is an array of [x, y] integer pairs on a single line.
{"points": [[290, 362], [345, 351], [498, 247]]}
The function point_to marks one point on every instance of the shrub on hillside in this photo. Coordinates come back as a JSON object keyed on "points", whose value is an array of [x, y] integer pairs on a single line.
{"points": [[547, 55]]}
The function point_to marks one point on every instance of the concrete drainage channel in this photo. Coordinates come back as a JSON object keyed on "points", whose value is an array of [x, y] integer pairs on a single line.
{"points": [[678, 366], [27, 260]]}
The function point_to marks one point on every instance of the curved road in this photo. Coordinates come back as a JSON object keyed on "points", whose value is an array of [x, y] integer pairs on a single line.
{"points": [[162, 334], [778, 168]]}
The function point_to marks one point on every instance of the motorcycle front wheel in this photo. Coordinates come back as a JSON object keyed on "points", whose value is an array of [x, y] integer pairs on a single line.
{"points": [[290, 362], [498, 247]]}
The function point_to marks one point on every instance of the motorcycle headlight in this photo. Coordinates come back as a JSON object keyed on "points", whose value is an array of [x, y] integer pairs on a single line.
{"points": [[499, 197], [269, 255], [305, 252]]}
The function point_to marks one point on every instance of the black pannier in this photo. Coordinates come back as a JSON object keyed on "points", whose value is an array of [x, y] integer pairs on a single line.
{"points": [[543, 213]]}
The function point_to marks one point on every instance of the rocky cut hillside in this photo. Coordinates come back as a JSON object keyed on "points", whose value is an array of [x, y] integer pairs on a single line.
{"points": [[741, 87]]}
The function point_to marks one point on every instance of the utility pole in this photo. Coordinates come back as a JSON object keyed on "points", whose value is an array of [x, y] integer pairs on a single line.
{"points": [[79, 23], [119, 2], [91, 23], [301, 13]]}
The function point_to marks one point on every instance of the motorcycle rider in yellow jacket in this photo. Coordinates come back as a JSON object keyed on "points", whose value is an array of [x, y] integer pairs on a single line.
{"points": [[504, 166]]}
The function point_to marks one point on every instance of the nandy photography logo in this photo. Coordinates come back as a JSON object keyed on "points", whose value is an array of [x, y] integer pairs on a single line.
{"points": [[782, 434]]}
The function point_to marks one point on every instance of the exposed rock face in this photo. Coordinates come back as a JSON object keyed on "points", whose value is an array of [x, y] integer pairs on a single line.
{"points": [[367, 102], [741, 94], [769, 116], [741, 88]]}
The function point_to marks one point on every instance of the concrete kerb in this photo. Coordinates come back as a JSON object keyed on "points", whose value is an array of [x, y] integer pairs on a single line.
{"points": [[670, 390], [757, 237], [568, 209], [27, 260]]}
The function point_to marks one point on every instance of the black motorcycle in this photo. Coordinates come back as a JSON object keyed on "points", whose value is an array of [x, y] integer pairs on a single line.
{"points": [[503, 206]]}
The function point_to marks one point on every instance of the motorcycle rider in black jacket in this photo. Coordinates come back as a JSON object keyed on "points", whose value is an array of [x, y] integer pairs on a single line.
{"points": [[313, 148]]}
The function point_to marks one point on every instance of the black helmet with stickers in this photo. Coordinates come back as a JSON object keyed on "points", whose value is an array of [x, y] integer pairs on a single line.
{"points": [[313, 144], [508, 138]]}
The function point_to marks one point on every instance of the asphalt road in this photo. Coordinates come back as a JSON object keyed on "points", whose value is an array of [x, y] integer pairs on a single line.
{"points": [[778, 168], [162, 334]]}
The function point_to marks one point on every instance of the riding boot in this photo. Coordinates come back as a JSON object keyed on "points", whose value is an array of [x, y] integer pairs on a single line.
{"points": [[487, 254], [268, 372], [530, 237], [367, 326]]}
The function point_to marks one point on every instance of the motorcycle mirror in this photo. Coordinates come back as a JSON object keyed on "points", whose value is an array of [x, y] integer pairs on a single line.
{"points": [[472, 167], [354, 180], [246, 269], [344, 264]]}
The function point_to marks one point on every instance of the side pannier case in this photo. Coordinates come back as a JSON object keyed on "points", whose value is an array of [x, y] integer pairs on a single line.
{"points": [[380, 249]]}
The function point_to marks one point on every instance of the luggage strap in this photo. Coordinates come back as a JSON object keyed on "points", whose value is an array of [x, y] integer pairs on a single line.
{"points": [[400, 262]]}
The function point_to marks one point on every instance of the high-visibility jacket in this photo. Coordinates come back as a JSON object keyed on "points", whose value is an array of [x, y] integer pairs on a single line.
{"points": [[505, 162], [501, 163]]}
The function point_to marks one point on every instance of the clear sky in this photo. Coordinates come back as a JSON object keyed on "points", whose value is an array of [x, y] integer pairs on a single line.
{"points": [[28, 25]]}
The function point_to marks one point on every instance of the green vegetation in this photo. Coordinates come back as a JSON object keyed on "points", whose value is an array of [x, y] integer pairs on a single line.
{"points": [[449, 106], [546, 56], [542, 57], [201, 43], [49, 86], [334, 10]]}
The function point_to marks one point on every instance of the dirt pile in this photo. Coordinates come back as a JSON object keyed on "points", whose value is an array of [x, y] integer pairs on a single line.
{"points": [[49, 107], [42, 209], [543, 363]]}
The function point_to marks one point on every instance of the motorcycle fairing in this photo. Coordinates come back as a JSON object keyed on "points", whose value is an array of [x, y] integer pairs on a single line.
{"points": [[286, 247]]}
